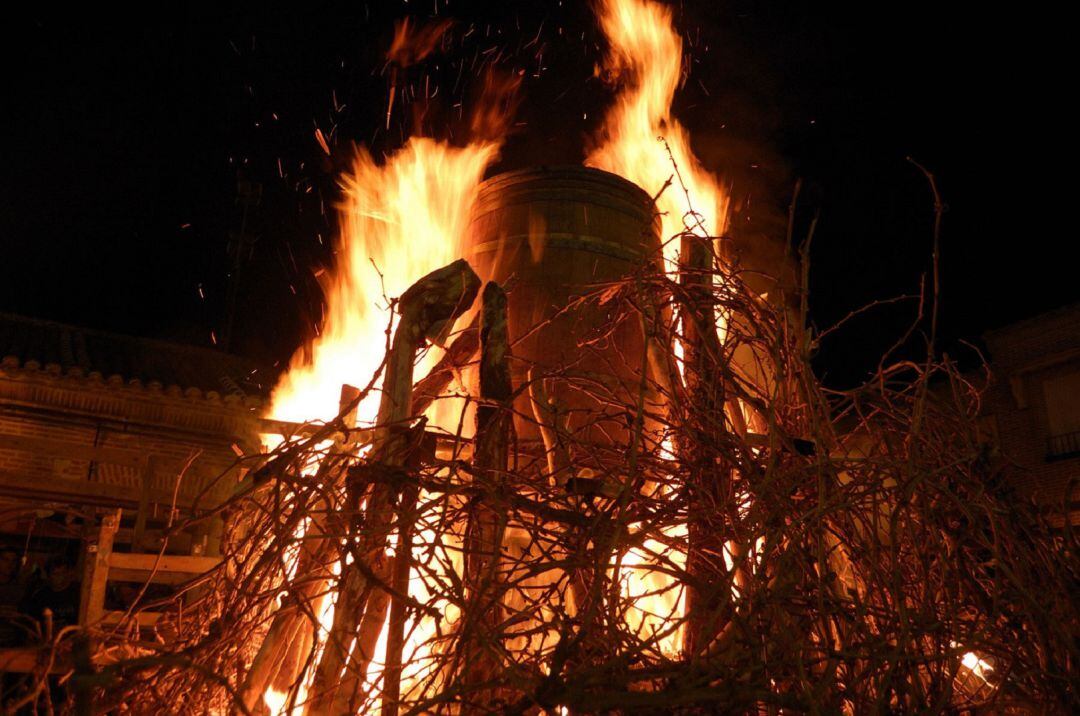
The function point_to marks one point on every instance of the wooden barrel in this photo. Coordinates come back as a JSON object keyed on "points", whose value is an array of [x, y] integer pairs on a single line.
{"points": [[551, 235]]}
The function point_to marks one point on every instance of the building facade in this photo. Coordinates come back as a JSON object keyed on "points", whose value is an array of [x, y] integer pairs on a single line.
{"points": [[93, 421], [1032, 408]]}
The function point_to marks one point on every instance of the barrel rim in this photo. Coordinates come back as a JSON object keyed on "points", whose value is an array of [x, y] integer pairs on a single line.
{"points": [[600, 176]]}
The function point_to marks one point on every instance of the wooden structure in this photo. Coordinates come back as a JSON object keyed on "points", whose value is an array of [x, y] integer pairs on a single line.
{"points": [[106, 440], [551, 235]]}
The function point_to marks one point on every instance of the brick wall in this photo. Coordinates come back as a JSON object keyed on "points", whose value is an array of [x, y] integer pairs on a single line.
{"points": [[1023, 357], [60, 432]]}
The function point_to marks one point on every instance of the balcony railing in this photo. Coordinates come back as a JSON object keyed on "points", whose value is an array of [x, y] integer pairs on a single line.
{"points": [[1059, 447]]}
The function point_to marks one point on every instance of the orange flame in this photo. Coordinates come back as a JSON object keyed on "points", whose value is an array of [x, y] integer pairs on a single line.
{"points": [[645, 59], [400, 220], [404, 217], [641, 141], [413, 44]]}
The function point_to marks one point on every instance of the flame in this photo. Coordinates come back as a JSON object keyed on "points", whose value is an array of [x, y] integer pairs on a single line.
{"points": [[976, 665], [658, 599], [641, 141], [645, 58], [404, 217], [400, 220]]}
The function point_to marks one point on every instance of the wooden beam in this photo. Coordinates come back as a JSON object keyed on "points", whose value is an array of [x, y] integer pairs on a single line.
{"points": [[27, 660], [146, 485], [486, 526], [96, 571], [707, 482], [165, 564], [145, 619], [142, 576]]}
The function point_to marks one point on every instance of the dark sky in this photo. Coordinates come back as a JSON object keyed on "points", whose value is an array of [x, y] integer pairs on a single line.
{"points": [[123, 136]]}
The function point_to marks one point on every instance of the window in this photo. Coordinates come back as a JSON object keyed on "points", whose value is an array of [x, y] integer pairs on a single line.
{"points": [[1063, 415]]}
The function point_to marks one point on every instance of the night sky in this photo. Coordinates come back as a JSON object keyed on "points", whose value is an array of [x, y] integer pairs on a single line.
{"points": [[124, 135]]}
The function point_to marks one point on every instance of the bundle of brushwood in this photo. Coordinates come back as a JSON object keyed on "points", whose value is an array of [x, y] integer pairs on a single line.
{"points": [[748, 542]]}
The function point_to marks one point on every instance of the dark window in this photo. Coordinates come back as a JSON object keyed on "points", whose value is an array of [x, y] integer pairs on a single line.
{"points": [[1063, 416]]}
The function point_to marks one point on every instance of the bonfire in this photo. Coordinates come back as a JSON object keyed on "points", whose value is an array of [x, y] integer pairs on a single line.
{"points": [[458, 524]]}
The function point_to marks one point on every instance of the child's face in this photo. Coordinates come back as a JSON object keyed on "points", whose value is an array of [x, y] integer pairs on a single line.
{"points": [[60, 576]]}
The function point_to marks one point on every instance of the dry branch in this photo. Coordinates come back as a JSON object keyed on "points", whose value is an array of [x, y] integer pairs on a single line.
{"points": [[860, 576]]}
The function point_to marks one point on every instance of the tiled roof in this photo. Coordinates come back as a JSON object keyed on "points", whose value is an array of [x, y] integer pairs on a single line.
{"points": [[1066, 313], [67, 349]]}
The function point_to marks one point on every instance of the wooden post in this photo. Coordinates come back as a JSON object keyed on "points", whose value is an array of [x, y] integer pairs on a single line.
{"points": [[146, 484], [487, 519], [708, 484], [395, 637], [82, 653], [288, 631], [96, 571], [430, 303]]}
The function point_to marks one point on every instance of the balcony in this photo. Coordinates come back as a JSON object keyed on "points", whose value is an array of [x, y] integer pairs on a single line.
{"points": [[1063, 446]]}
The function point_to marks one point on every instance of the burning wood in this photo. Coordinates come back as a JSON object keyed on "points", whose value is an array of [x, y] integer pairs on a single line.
{"points": [[659, 509], [862, 581]]}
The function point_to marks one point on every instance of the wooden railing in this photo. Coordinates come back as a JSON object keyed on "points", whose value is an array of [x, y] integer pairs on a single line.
{"points": [[1059, 447], [100, 566]]}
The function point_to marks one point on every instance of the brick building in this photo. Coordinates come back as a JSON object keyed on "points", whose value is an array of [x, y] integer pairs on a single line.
{"points": [[1032, 408], [93, 421]]}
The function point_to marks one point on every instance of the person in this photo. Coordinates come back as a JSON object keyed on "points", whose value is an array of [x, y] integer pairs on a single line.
{"points": [[11, 596], [59, 593]]}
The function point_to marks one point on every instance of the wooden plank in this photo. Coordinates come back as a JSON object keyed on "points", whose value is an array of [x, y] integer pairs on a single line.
{"points": [[141, 576], [96, 571], [178, 541], [26, 660], [169, 563], [145, 619], [146, 486]]}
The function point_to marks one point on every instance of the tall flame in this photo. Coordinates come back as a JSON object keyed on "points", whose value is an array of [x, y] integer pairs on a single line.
{"points": [[645, 58], [399, 221], [641, 141], [404, 217]]}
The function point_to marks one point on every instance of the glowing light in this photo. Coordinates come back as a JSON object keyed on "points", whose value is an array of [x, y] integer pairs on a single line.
{"points": [[400, 220], [638, 140], [976, 665], [645, 58]]}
